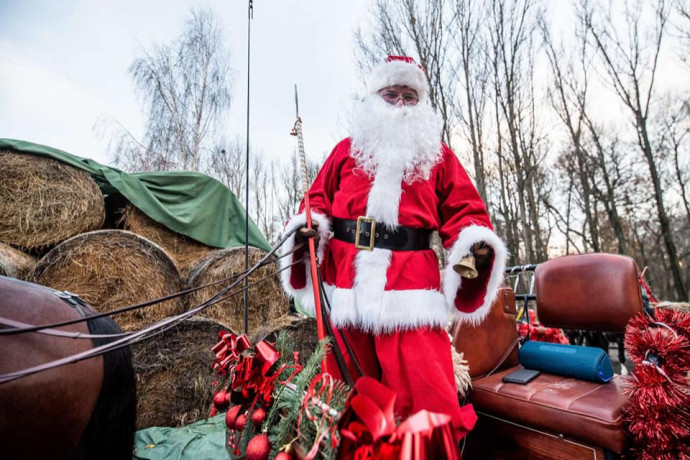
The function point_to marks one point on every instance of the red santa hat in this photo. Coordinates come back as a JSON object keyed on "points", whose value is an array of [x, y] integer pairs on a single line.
{"points": [[399, 70]]}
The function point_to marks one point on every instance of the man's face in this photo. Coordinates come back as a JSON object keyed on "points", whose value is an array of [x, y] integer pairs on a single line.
{"points": [[399, 95]]}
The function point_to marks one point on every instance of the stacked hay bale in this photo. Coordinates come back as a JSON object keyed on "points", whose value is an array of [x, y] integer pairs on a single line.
{"points": [[44, 201], [174, 378], [58, 217], [268, 305], [183, 250], [301, 335], [14, 263], [111, 269]]}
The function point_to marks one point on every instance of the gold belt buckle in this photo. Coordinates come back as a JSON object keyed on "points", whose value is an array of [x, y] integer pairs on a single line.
{"points": [[370, 233]]}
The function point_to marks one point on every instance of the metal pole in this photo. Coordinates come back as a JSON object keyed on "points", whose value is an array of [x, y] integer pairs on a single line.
{"points": [[250, 15]]}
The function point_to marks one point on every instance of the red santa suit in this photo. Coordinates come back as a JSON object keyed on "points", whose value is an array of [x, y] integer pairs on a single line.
{"points": [[393, 306]]}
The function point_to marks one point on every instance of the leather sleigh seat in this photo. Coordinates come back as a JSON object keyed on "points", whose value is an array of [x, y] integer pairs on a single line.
{"points": [[576, 409], [592, 292]]}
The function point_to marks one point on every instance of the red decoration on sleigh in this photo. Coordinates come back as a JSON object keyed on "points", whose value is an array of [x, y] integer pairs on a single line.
{"points": [[249, 374], [657, 414], [368, 428], [539, 333]]}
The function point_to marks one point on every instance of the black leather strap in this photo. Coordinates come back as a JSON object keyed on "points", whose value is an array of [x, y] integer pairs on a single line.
{"points": [[402, 239]]}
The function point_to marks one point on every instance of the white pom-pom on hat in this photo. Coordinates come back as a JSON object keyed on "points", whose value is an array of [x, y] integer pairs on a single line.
{"points": [[399, 70]]}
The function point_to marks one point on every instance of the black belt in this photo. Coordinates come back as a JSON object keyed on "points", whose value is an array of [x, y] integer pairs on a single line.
{"points": [[366, 234]]}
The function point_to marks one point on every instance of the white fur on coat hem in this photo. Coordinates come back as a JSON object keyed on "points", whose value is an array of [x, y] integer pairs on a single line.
{"points": [[305, 295], [394, 311], [452, 281]]}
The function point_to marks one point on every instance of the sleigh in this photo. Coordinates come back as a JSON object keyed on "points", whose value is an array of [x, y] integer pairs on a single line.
{"points": [[551, 417]]}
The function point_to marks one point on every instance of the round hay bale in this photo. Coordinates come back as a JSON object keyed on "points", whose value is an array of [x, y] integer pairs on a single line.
{"points": [[174, 374], [301, 336], [14, 263], [56, 201], [183, 250], [112, 269], [268, 304]]}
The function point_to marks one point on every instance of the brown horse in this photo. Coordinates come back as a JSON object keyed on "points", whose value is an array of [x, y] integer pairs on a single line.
{"points": [[83, 410]]}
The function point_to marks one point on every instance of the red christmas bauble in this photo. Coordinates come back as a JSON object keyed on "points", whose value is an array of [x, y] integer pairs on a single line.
{"points": [[231, 416], [240, 422], [259, 448], [258, 417], [219, 400], [285, 456]]}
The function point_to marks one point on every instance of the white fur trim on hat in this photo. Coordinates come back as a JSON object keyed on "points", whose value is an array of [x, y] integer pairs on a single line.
{"points": [[398, 73]]}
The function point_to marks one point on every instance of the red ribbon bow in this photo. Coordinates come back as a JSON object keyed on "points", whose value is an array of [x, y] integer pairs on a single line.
{"points": [[250, 369], [368, 429]]}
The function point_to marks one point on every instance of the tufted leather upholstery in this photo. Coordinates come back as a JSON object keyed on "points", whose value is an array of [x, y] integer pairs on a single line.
{"points": [[585, 411]]}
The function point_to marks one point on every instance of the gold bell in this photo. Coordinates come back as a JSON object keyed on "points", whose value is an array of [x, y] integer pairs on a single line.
{"points": [[466, 267]]}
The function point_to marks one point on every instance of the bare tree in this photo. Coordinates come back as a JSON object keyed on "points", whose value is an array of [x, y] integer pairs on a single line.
{"points": [[568, 96], [611, 178], [291, 190], [631, 63], [185, 88], [682, 26], [226, 163], [673, 138], [512, 25], [474, 77]]}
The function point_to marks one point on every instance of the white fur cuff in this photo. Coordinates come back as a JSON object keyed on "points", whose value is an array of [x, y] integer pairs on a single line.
{"points": [[305, 295], [452, 281]]}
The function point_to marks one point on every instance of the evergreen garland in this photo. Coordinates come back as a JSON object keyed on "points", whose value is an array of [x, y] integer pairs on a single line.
{"points": [[289, 403], [281, 420], [309, 429], [282, 417]]}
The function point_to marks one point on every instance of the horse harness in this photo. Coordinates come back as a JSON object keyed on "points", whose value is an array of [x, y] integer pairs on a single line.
{"points": [[74, 301]]}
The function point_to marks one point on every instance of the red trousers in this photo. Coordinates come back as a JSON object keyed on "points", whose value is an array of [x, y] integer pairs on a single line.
{"points": [[416, 364]]}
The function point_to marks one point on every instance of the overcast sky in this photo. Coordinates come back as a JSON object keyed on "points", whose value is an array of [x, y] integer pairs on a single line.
{"points": [[63, 64]]}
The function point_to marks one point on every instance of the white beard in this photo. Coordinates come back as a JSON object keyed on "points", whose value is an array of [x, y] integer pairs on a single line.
{"points": [[403, 139]]}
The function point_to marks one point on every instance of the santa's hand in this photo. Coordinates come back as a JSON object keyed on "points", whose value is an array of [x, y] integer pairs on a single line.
{"points": [[304, 233], [481, 252]]}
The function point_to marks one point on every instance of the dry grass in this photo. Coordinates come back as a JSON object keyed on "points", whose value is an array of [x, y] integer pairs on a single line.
{"points": [[14, 263], [111, 269], [174, 376], [680, 306], [44, 201], [183, 250], [268, 305], [301, 335]]}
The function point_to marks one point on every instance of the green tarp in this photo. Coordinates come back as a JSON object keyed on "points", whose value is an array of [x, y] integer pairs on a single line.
{"points": [[204, 439], [189, 203]]}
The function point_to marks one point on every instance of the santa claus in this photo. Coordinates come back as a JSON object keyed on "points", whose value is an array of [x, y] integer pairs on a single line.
{"points": [[378, 198]]}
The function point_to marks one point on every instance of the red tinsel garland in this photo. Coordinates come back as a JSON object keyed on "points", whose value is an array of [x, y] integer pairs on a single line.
{"points": [[658, 412]]}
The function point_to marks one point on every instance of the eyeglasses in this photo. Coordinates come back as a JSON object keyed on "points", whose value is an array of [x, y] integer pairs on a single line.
{"points": [[392, 96]]}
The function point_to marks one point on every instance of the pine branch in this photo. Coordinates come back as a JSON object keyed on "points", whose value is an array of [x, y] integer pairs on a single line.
{"points": [[287, 403]]}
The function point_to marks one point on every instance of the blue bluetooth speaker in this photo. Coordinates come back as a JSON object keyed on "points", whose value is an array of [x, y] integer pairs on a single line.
{"points": [[584, 363]]}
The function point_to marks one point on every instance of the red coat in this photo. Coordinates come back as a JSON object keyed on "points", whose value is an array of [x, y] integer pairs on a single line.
{"points": [[383, 290]]}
